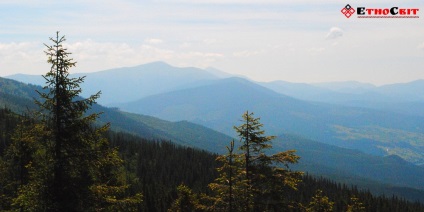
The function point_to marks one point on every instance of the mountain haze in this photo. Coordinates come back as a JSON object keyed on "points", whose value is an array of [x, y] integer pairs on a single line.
{"points": [[405, 98], [131, 83]]}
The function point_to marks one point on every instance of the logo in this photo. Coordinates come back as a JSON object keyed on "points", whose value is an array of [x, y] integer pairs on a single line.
{"points": [[392, 12], [348, 11]]}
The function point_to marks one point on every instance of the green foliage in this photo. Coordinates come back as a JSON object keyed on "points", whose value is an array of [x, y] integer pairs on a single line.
{"points": [[355, 205], [230, 184], [157, 168], [251, 180], [187, 201], [268, 176], [320, 203], [61, 161]]}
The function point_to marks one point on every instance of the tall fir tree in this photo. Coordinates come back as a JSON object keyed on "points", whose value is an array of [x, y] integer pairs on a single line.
{"points": [[187, 201], [73, 167], [231, 184], [267, 176], [252, 180], [320, 203]]}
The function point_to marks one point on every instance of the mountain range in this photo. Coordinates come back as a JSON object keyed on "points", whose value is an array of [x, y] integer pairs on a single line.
{"points": [[122, 85], [380, 120], [131, 83], [404, 98], [200, 109]]}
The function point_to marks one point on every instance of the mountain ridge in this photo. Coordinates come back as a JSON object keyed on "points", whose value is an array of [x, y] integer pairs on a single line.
{"points": [[216, 105], [131, 83], [307, 149], [329, 116]]}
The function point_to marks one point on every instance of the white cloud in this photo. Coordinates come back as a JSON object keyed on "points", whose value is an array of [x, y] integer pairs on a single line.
{"points": [[285, 37], [88, 53], [21, 56], [153, 41], [245, 53], [334, 33], [92, 56], [13, 47]]}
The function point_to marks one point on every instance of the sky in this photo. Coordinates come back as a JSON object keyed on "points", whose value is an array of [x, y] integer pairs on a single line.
{"points": [[265, 40]]}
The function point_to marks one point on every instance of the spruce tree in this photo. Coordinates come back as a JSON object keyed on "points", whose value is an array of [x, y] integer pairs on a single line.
{"points": [[73, 167], [267, 176], [187, 201], [251, 179], [231, 184], [320, 203]]}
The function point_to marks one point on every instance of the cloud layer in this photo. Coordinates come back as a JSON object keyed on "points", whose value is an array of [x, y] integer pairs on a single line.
{"points": [[300, 40]]}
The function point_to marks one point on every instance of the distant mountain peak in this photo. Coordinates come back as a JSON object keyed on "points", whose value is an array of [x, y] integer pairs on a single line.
{"points": [[156, 64]]}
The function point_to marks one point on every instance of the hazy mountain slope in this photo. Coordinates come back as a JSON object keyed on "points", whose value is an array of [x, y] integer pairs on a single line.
{"points": [[131, 83], [404, 98], [19, 97], [318, 158], [300, 90], [331, 161], [411, 91], [336, 93], [346, 86], [182, 132], [220, 105]]}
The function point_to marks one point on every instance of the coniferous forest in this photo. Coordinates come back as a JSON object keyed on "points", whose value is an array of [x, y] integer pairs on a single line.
{"points": [[59, 158]]}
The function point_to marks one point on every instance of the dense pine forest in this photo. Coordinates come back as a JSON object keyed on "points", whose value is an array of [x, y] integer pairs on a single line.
{"points": [[58, 157]]}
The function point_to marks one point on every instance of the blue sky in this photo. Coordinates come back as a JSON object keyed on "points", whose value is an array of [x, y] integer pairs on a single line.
{"points": [[291, 40]]}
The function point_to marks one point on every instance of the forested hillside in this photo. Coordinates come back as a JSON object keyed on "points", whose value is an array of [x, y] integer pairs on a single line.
{"points": [[157, 167], [217, 104], [20, 97]]}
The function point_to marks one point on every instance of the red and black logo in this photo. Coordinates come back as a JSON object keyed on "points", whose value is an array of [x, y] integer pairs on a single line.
{"points": [[392, 12], [348, 11]]}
